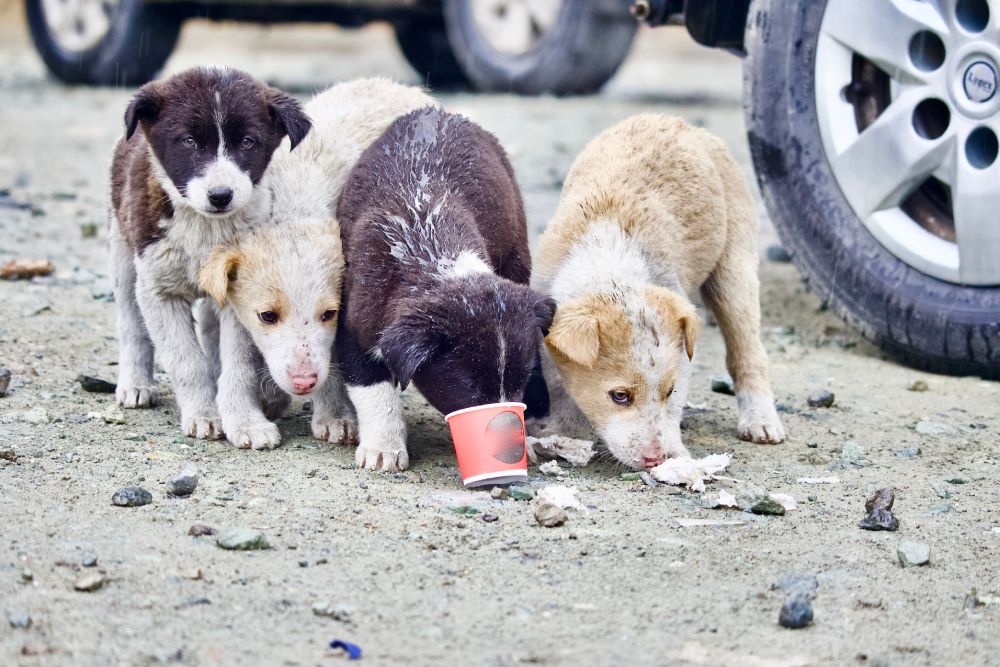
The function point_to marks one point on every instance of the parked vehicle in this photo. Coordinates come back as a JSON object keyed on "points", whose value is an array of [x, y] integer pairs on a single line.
{"points": [[522, 46], [873, 128]]}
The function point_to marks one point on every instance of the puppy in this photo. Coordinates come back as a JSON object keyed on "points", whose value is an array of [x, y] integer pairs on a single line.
{"points": [[279, 287], [194, 177], [652, 209], [437, 269]]}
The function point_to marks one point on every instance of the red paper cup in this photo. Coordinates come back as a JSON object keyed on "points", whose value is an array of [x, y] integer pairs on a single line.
{"points": [[489, 443]]}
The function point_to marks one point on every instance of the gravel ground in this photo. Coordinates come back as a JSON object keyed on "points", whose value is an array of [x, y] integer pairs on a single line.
{"points": [[398, 570]]}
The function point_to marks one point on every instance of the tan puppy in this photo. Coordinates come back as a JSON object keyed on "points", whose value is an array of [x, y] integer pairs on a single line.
{"points": [[652, 209]]}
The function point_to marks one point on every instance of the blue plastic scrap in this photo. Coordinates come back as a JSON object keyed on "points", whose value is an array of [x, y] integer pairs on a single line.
{"points": [[353, 650]]}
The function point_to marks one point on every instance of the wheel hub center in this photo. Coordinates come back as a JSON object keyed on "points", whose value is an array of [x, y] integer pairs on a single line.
{"points": [[980, 81]]}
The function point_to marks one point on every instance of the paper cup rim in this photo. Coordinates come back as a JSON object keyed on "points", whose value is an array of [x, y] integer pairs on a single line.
{"points": [[500, 474], [512, 404]]}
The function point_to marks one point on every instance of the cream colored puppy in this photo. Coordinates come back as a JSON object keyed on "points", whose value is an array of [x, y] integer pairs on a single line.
{"points": [[652, 209], [280, 287]]}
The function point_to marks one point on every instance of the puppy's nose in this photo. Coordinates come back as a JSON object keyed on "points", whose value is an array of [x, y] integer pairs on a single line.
{"points": [[304, 383], [220, 197], [652, 457]]}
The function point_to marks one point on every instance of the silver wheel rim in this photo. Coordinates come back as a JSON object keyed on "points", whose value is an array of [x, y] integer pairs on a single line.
{"points": [[78, 25], [940, 60], [514, 27]]}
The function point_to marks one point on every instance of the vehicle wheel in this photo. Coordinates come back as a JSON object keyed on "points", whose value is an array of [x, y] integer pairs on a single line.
{"points": [[423, 39], [873, 129], [103, 42], [539, 46]]}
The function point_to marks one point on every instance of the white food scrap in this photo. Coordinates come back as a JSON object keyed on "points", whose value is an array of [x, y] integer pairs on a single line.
{"points": [[561, 496], [689, 472], [575, 452], [551, 468]]}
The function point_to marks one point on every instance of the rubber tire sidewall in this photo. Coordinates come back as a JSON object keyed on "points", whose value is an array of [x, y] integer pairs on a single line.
{"points": [[134, 50], [423, 39], [921, 320], [564, 62]]}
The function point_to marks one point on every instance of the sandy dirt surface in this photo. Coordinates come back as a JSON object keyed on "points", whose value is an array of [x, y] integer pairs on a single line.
{"points": [[408, 578]]}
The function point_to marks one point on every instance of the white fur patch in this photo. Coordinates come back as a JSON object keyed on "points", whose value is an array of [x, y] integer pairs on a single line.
{"points": [[468, 263], [381, 427]]}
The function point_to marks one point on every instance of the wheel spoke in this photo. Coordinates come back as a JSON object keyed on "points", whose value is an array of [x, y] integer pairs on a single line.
{"points": [[888, 160], [880, 30], [976, 208]]}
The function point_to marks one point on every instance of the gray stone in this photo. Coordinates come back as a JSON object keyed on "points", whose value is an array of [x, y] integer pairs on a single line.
{"points": [[908, 452], [18, 619], [113, 415], [821, 398], [853, 452], [490, 518], [549, 515], [96, 385], [242, 539], [933, 428], [36, 416], [184, 482], [131, 496], [918, 385], [723, 384], [912, 554], [8, 454], [521, 493], [879, 509], [499, 493], [777, 253], [89, 583], [89, 560], [797, 612], [768, 506], [4, 380], [748, 494], [338, 612], [199, 529]]}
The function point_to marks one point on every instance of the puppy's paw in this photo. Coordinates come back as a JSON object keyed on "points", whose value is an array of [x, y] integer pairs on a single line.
{"points": [[254, 435], [136, 397], [759, 421], [340, 431], [385, 456], [202, 424]]}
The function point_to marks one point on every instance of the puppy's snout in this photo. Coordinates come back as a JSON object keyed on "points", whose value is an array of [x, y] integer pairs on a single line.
{"points": [[220, 197], [652, 456], [305, 382]]}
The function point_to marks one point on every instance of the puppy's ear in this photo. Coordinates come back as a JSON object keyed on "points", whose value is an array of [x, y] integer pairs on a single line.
{"points": [[545, 310], [288, 117], [144, 108], [218, 272], [575, 334], [407, 344], [676, 312]]}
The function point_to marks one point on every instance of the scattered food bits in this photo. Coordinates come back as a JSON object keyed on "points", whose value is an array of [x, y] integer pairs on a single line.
{"points": [[552, 468], [563, 497], [690, 472], [575, 452]]}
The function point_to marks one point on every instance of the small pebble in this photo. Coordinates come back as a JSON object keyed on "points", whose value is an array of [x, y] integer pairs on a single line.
{"points": [[630, 476], [90, 560], [777, 253], [18, 619], [821, 398], [89, 583], [768, 506], [199, 529], [113, 415], [549, 515], [499, 493], [4, 380], [27, 575], [723, 384], [8, 454], [797, 612], [96, 385], [912, 554], [464, 510], [490, 518], [338, 612], [879, 506], [184, 482], [918, 385], [36, 416], [908, 452], [521, 493], [242, 539], [131, 496], [933, 428], [88, 230]]}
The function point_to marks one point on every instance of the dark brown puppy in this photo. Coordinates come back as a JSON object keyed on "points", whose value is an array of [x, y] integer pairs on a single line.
{"points": [[436, 287]]}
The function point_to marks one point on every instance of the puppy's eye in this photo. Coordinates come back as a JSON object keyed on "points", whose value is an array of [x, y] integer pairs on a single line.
{"points": [[327, 315], [621, 396], [268, 317], [189, 142], [247, 143]]}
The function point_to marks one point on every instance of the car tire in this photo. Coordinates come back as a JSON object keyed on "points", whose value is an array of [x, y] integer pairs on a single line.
{"points": [[131, 52], [923, 321], [423, 39], [564, 60]]}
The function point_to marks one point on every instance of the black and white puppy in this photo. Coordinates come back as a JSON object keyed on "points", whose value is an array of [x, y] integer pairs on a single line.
{"points": [[193, 178], [436, 290]]}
